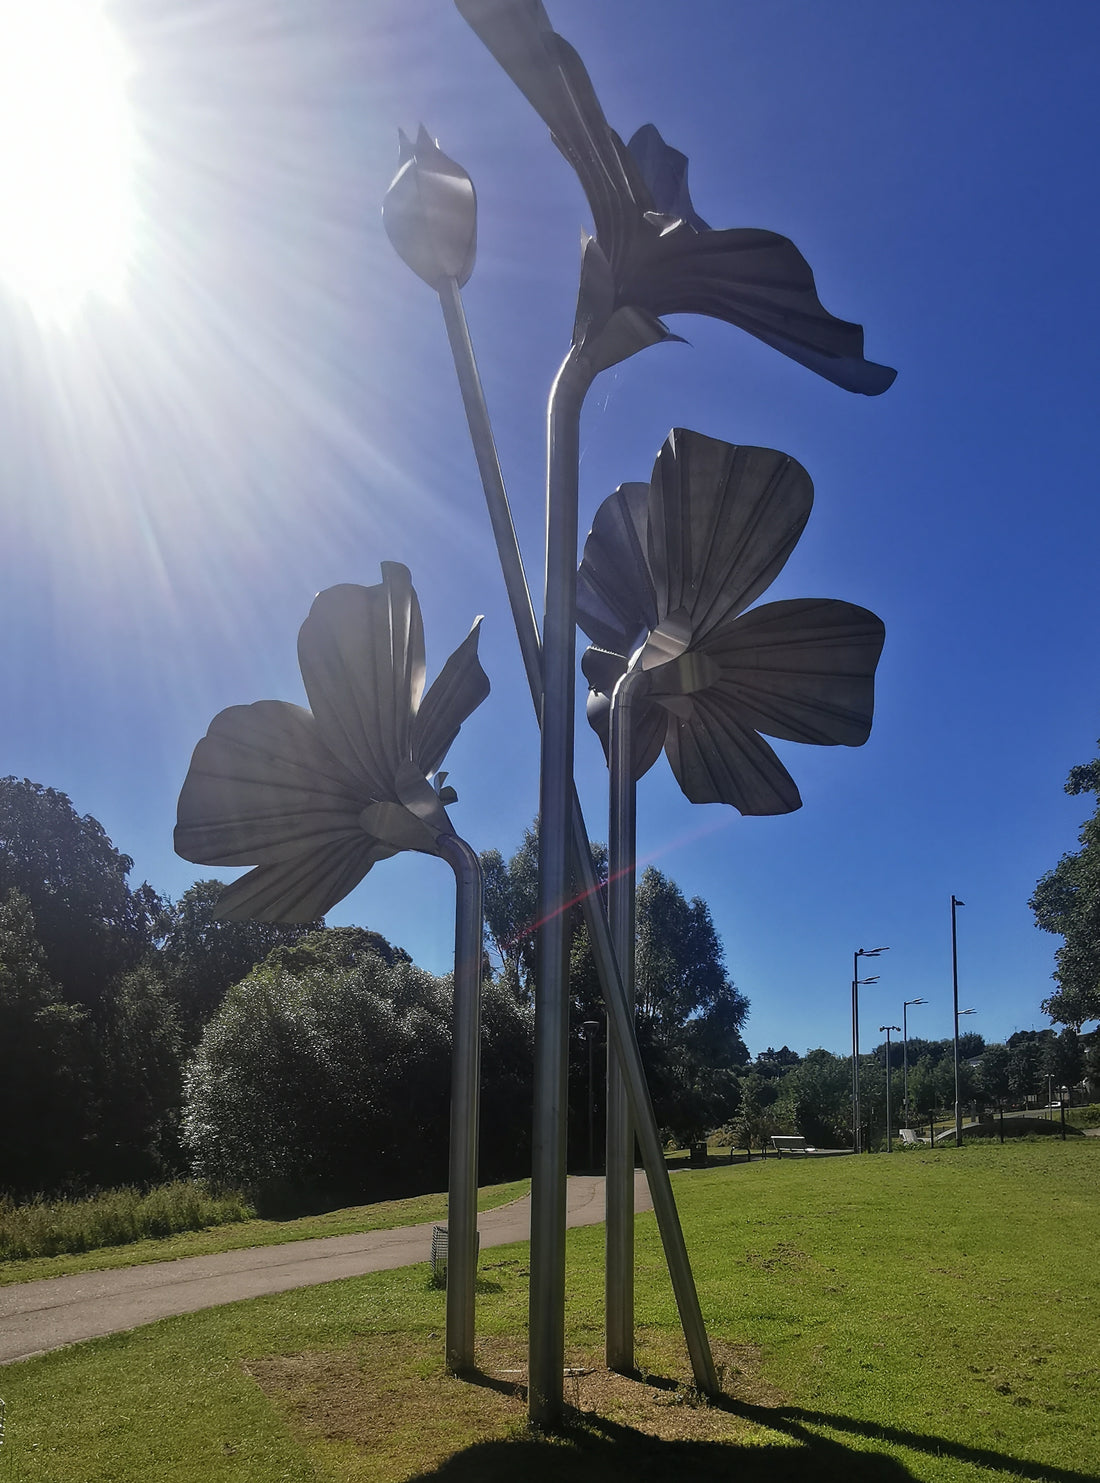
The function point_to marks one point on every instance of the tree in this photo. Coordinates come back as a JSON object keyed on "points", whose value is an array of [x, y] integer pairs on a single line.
{"points": [[320, 1081], [91, 925], [1063, 1060], [816, 1096], [139, 1083], [994, 1074], [689, 1013], [1066, 901], [46, 1065], [202, 956], [511, 893], [1025, 1061]]}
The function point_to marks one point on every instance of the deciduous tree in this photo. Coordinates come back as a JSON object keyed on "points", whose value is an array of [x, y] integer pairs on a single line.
{"points": [[1066, 901]]}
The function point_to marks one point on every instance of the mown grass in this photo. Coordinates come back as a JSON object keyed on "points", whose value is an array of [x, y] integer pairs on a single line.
{"points": [[933, 1317], [113, 1217], [244, 1232]]}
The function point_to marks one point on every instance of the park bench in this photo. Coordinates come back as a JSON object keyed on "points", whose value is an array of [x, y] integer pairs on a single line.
{"points": [[911, 1139], [785, 1143]]}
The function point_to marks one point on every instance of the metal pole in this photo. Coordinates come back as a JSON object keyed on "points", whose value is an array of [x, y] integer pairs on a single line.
{"points": [[619, 1182], [905, 1060], [591, 1030], [547, 1288], [955, 1003], [857, 1144], [620, 1017], [465, 1082]]}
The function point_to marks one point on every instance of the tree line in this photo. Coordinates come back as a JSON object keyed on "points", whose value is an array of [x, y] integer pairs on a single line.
{"points": [[786, 1093], [141, 1037]]}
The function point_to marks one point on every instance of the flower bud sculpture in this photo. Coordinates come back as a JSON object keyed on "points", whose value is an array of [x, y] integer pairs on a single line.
{"points": [[430, 213], [314, 799]]}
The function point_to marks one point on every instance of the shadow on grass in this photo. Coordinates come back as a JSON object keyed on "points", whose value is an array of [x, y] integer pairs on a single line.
{"points": [[591, 1449]]}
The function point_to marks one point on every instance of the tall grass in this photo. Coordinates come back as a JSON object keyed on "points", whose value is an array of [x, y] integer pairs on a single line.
{"points": [[113, 1218]]}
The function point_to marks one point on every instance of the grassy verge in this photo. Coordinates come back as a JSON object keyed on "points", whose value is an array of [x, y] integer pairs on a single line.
{"points": [[879, 1320], [113, 1218], [243, 1233]]}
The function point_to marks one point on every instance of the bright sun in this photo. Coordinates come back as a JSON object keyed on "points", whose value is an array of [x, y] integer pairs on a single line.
{"points": [[66, 152]]}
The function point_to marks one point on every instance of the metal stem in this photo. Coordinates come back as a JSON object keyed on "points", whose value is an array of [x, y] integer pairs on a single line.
{"points": [[621, 891], [559, 650], [857, 1134], [465, 1083], [955, 1006], [620, 1016]]}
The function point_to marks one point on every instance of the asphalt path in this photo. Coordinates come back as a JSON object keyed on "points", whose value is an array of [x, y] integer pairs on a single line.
{"points": [[36, 1317]]}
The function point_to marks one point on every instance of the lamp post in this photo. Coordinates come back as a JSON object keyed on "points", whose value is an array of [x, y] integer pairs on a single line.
{"points": [[888, 1028], [955, 904], [862, 952], [905, 1052], [591, 1030]]}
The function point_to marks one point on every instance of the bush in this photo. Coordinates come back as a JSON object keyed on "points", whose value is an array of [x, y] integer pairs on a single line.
{"points": [[320, 1085], [113, 1218]]}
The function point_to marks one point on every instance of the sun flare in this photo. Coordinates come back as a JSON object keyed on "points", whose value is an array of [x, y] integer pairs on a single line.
{"points": [[66, 155]]}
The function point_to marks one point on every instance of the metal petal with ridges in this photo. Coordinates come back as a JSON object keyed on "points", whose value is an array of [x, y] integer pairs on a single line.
{"points": [[663, 257], [714, 528], [314, 798]]}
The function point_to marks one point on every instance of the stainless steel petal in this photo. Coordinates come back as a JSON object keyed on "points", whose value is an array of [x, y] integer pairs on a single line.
{"points": [[454, 694], [616, 601], [261, 787], [716, 759], [305, 887], [723, 520], [803, 670], [361, 652]]}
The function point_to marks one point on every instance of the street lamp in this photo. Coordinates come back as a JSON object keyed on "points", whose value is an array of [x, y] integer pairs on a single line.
{"points": [[863, 952], [905, 1053], [888, 1028], [591, 1030]]}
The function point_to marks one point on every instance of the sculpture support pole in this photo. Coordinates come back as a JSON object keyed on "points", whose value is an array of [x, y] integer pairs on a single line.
{"points": [[547, 1300], [619, 1182], [620, 1016], [465, 1083]]}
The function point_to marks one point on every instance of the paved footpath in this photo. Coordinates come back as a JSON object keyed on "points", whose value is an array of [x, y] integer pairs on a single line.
{"points": [[36, 1317]]}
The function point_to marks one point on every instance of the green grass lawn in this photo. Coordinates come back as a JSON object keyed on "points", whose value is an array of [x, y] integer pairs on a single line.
{"points": [[356, 1218], [932, 1316]]}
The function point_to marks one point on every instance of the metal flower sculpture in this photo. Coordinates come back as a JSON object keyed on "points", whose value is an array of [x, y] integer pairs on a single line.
{"points": [[430, 212], [669, 570], [315, 798], [652, 253]]}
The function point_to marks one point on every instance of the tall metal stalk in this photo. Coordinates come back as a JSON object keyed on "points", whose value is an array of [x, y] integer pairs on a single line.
{"points": [[621, 895], [465, 1083], [620, 1014], [559, 664]]}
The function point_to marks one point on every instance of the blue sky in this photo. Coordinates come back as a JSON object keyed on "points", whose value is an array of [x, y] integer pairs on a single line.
{"points": [[271, 409]]}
